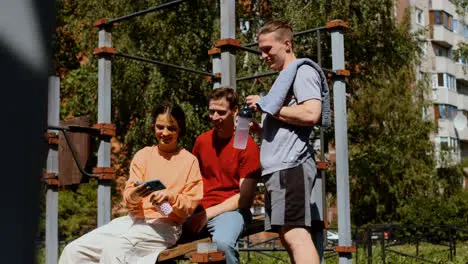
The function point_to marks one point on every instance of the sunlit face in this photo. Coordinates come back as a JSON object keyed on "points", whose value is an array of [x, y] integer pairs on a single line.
{"points": [[274, 51], [221, 116], [167, 132]]}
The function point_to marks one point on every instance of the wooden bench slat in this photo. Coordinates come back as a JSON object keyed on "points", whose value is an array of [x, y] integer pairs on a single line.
{"points": [[181, 249], [256, 226]]}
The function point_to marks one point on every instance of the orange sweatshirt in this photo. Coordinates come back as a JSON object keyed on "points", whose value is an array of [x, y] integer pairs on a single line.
{"points": [[178, 171]]}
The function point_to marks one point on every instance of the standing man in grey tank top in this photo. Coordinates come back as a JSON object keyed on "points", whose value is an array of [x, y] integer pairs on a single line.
{"points": [[289, 111]]}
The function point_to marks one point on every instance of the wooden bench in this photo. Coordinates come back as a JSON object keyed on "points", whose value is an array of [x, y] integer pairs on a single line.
{"points": [[188, 250]]}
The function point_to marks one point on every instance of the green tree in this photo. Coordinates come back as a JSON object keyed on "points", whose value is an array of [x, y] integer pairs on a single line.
{"points": [[179, 35]]}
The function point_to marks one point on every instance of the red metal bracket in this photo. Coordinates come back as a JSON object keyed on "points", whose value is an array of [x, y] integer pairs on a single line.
{"points": [[52, 138], [337, 24], [345, 249], [105, 173], [214, 51], [321, 165], [50, 179], [100, 22], [342, 72], [227, 42], [105, 129], [339, 72], [207, 257], [104, 51]]}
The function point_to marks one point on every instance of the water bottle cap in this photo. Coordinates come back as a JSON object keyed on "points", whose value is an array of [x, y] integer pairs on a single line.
{"points": [[245, 112]]}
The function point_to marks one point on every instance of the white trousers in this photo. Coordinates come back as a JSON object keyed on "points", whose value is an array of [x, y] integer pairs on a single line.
{"points": [[123, 240]]}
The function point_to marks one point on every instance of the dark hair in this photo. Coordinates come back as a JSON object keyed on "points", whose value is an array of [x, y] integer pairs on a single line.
{"points": [[282, 28], [172, 110], [228, 93]]}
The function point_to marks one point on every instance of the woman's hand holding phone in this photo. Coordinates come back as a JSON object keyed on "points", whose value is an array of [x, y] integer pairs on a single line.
{"points": [[140, 192]]}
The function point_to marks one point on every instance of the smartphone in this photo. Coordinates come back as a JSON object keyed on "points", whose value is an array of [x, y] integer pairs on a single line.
{"points": [[154, 185]]}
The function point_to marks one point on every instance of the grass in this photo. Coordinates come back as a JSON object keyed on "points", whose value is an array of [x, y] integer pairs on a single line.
{"points": [[431, 252]]}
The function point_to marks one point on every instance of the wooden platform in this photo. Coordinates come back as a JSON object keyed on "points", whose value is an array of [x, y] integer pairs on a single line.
{"points": [[184, 251], [181, 250]]}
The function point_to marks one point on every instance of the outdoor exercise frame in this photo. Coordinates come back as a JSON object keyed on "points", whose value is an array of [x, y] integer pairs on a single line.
{"points": [[223, 75]]}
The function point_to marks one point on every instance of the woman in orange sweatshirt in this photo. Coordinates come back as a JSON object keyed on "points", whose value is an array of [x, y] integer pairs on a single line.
{"points": [[140, 236]]}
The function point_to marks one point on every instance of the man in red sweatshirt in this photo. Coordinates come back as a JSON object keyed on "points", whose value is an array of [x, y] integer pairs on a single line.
{"points": [[229, 176]]}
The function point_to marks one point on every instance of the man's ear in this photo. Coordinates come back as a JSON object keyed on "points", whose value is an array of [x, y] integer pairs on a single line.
{"points": [[288, 44]]}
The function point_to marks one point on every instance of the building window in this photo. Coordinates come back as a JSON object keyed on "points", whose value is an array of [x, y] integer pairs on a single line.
{"points": [[444, 80], [420, 75], [441, 51], [445, 111], [441, 18], [423, 47], [462, 88], [451, 82], [462, 60], [419, 16], [440, 79], [448, 144], [444, 143]]}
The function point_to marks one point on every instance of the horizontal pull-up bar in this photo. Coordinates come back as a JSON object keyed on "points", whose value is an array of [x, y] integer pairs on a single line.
{"points": [[295, 34], [250, 50], [144, 12], [309, 31], [256, 76], [332, 72], [164, 64]]}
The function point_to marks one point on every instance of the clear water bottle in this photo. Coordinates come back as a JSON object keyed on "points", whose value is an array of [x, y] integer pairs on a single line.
{"points": [[242, 129]]}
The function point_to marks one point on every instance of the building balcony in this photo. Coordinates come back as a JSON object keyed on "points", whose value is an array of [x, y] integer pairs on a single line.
{"points": [[462, 102], [463, 135], [444, 5], [444, 64], [446, 128], [442, 36], [445, 96], [461, 72]]}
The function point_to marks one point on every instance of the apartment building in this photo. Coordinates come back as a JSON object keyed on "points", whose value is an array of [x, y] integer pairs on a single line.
{"points": [[449, 77]]}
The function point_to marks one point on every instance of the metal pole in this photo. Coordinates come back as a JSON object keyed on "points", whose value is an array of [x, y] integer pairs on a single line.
{"points": [[341, 141], [369, 245], [228, 53], [320, 237], [53, 117], [450, 243], [382, 245], [104, 116], [216, 67]]}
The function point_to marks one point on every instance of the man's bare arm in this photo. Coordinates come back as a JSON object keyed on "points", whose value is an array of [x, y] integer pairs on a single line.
{"points": [[240, 200], [307, 113]]}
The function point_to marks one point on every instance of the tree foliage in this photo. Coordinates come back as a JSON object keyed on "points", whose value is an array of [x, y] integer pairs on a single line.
{"points": [[178, 35], [390, 154]]}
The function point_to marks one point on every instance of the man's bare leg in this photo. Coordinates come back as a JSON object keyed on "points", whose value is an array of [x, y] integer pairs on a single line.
{"points": [[286, 246], [301, 247]]}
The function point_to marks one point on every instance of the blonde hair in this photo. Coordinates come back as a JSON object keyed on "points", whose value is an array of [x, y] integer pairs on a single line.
{"points": [[282, 28]]}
